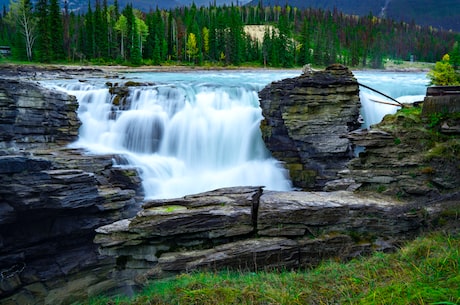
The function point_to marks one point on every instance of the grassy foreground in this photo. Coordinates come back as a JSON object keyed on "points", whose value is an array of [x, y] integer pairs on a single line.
{"points": [[425, 271]]}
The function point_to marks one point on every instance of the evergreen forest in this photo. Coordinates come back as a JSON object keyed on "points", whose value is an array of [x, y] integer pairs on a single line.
{"points": [[48, 32]]}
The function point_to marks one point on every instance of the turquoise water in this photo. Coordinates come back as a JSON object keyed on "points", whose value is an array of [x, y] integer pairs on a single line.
{"points": [[191, 132]]}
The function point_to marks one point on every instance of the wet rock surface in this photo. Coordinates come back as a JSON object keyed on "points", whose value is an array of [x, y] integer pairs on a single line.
{"points": [[52, 199], [248, 228], [409, 155], [32, 116], [55, 202], [306, 121], [31, 72]]}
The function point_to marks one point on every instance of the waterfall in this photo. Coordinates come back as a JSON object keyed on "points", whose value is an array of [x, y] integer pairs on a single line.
{"points": [[183, 138], [407, 87], [194, 132]]}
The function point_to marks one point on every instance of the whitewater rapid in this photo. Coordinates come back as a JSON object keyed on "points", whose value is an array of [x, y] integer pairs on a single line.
{"points": [[192, 132]]}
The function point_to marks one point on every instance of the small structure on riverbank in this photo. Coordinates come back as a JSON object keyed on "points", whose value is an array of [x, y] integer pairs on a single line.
{"points": [[442, 100], [5, 51]]}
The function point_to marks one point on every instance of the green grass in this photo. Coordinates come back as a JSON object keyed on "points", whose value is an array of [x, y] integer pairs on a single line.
{"points": [[407, 65], [425, 271]]}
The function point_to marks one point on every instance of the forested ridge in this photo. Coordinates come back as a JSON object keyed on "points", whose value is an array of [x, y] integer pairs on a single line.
{"points": [[437, 13], [213, 35]]}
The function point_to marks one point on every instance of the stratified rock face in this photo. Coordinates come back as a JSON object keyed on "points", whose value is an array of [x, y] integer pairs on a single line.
{"points": [[413, 154], [52, 199], [306, 120], [31, 116], [247, 228]]}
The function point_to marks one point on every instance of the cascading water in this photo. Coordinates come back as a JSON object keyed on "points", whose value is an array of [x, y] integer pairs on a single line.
{"points": [[184, 138], [407, 87], [196, 132]]}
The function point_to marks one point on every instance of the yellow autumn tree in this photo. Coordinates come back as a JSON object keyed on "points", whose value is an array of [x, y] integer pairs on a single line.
{"points": [[192, 47], [205, 40], [443, 73]]}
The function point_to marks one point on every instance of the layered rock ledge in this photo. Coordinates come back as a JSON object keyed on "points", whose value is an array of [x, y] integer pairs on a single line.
{"points": [[306, 123], [413, 154], [31, 116], [52, 199], [247, 228]]}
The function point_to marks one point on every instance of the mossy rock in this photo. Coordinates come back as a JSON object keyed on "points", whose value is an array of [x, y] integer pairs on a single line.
{"points": [[137, 84]]}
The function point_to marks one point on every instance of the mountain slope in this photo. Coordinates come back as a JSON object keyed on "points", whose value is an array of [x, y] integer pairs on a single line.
{"points": [[355, 7], [144, 5], [441, 13], [437, 13]]}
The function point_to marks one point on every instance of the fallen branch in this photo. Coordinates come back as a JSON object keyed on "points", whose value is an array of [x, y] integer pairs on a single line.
{"points": [[386, 103], [383, 94]]}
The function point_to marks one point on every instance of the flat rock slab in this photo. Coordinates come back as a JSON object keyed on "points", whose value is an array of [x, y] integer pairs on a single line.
{"points": [[247, 228], [314, 213], [252, 254], [221, 213]]}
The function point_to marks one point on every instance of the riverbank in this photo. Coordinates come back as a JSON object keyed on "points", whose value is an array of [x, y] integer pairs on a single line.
{"points": [[423, 271], [34, 70], [79, 193]]}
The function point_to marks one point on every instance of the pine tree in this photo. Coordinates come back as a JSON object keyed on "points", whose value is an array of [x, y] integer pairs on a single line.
{"points": [[455, 55], [305, 49], [105, 43], [56, 31], [43, 28], [98, 32], [89, 48], [130, 31], [205, 34], [302, 36], [286, 47], [266, 47], [66, 30]]}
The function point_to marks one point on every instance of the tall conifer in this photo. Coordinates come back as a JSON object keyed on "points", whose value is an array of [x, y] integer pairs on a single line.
{"points": [[56, 30], [44, 39], [89, 48]]}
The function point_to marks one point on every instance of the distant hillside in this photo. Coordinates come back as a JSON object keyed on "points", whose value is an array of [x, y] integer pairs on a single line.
{"points": [[437, 13], [353, 7], [144, 5], [441, 13]]}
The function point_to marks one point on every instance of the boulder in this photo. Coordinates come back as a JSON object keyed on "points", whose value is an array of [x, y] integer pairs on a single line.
{"points": [[306, 123], [49, 212], [32, 116], [52, 199]]}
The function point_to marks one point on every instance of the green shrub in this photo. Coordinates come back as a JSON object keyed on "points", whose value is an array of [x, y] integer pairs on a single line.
{"points": [[444, 73]]}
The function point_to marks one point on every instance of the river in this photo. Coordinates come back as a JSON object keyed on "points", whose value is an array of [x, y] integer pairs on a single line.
{"points": [[191, 132]]}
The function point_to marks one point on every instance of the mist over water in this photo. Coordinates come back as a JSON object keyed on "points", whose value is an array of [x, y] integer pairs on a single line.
{"points": [[193, 132]]}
